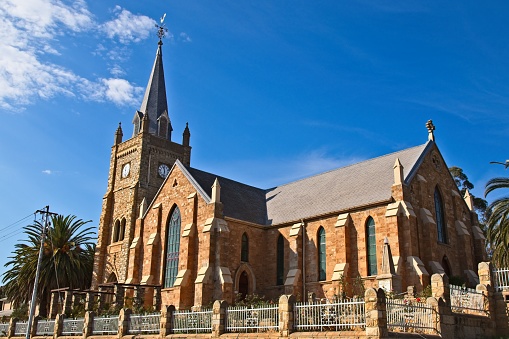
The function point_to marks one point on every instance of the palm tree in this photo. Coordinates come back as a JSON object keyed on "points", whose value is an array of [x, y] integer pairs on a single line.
{"points": [[68, 257], [497, 225]]}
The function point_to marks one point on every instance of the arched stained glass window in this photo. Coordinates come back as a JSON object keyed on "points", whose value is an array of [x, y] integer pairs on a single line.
{"points": [[172, 248], [121, 234], [371, 246], [244, 254], [322, 264], [439, 214], [116, 230], [280, 260]]}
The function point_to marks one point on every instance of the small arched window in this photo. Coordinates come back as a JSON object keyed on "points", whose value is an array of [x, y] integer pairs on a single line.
{"points": [[244, 251], [121, 234], [116, 231], [280, 262], [371, 246], [322, 264], [172, 248], [439, 214]]}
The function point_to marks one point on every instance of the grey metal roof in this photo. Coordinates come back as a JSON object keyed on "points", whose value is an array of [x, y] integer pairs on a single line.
{"points": [[357, 185], [341, 189], [154, 102]]}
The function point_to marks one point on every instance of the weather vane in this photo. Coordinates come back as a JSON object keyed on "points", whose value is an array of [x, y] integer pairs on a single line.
{"points": [[161, 29]]}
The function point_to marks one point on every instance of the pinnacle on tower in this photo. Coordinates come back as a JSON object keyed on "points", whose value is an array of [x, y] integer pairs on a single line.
{"points": [[186, 136], [118, 134]]}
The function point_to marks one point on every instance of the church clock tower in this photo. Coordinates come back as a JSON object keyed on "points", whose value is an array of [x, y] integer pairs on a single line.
{"points": [[138, 167]]}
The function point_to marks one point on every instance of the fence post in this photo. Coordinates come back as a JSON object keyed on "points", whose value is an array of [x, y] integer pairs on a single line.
{"points": [[12, 327], [88, 324], [33, 329], [440, 287], [376, 313], [59, 323], [485, 272], [445, 322], [89, 301], [286, 303], [67, 302], [219, 318], [157, 298], [119, 292], [53, 309], [123, 322], [166, 320]]}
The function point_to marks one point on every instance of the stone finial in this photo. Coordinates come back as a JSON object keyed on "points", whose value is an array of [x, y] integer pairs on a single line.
{"points": [[398, 172], [118, 134], [469, 199], [145, 123], [431, 128], [387, 262], [186, 136], [216, 192], [143, 207]]}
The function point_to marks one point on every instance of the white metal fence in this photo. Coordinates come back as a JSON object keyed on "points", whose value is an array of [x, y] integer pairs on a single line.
{"points": [[4, 327], [345, 315], [144, 323], [467, 300], [45, 327], [73, 326], [410, 316], [21, 328], [105, 325], [501, 277], [252, 319], [192, 321]]}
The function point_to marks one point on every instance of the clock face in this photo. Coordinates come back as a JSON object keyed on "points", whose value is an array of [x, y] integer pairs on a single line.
{"points": [[125, 170], [163, 170]]}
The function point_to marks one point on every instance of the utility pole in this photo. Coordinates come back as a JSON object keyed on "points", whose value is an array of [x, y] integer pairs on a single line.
{"points": [[46, 213]]}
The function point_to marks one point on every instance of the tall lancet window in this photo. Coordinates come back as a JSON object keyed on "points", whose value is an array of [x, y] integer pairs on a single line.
{"points": [[322, 264], [371, 246], [244, 251], [280, 261], [172, 248], [439, 214]]}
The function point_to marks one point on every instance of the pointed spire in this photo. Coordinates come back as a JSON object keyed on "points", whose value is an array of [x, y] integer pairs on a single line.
{"points": [[398, 172], [469, 199], [118, 134], [186, 136], [154, 102], [431, 128], [216, 192]]}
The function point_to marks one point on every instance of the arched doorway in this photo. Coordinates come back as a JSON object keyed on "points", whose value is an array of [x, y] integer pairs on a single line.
{"points": [[243, 285]]}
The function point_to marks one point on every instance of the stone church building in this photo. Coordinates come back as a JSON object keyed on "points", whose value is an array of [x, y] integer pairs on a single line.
{"points": [[390, 222]]}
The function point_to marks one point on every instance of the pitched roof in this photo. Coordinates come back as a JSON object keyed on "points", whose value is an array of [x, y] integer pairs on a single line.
{"points": [[364, 183], [154, 101], [360, 184]]}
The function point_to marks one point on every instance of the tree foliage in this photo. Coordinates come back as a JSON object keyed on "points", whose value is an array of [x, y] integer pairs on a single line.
{"points": [[461, 180], [497, 225], [68, 255]]}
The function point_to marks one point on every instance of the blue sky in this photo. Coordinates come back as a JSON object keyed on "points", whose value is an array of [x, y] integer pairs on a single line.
{"points": [[273, 90]]}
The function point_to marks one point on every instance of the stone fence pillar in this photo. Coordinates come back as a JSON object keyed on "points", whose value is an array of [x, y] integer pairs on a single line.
{"points": [[59, 326], [376, 313], [440, 287], [485, 272], [12, 327], [53, 309], [166, 320], [286, 303], [89, 301], [123, 322], [219, 318], [443, 317], [88, 324], [67, 302], [33, 328]]}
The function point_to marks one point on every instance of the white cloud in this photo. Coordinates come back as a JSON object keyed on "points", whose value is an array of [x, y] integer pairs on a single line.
{"points": [[128, 27], [119, 91], [184, 37], [48, 172], [31, 29]]}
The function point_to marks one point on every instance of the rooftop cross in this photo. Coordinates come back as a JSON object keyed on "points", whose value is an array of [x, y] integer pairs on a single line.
{"points": [[431, 128]]}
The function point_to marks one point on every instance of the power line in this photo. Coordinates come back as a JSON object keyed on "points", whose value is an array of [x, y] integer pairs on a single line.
{"points": [[17, 222]]}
